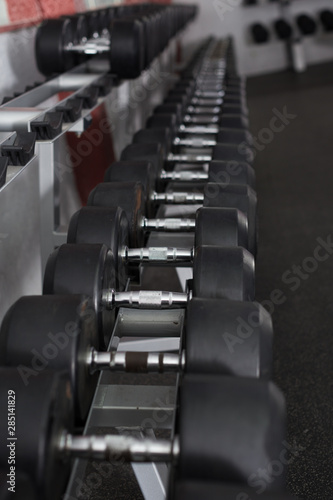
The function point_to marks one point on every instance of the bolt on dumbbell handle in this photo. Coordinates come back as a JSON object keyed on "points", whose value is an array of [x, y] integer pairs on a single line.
{"points": [[214, 110], [196, 101], [115, 447], [209, 94], [188, 158], [168, 224], [157, 254], [178, 198], [187, 176], [144, 299], [136, 362], [194, 143], [95, 46], [198, 129], [202, 119]]}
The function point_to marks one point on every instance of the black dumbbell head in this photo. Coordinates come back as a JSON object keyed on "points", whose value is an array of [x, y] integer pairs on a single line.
{"points": [[228, 338], [107, 226], [223, 273], [232, 172], [130, 196], [83, 269], [142, 171], [242, 430], [127, 48], [43, 410], [306, 24], [52, 37], [226, 227], [237, 196]]}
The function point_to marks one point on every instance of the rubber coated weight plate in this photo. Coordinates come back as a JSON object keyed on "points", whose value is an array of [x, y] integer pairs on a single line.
{"points": [[235, 196], [224, 227], [52, 36], [228, 338], [260, 33], [232, 172], [326, 17], [172, 109], [306, 24], [40, 422], [197, 490], [223, 273], [62, 330], [163, 121], [233, 121], [64, 276], [130, 197], [234, 136], [108, 226], [151, 135], [153, 153], [232, 152], [283, 29], [127, 48], [138, 171], [230, 428]]}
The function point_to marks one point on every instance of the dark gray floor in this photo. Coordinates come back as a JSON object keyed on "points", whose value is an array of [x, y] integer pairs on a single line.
{"points": [[295, 192]]}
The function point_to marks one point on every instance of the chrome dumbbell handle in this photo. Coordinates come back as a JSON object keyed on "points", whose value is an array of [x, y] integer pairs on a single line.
{"points": [[144, 299], [168, 224], [178, 198], [115, 447], [187, 176], [136, 362], [157, 255]]}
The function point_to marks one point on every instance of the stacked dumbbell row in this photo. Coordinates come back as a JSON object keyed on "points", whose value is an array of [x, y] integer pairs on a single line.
{"points": [[130, 36], [230, 419], [285, 30]]}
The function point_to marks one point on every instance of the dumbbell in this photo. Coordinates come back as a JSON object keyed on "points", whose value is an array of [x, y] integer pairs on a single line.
{"points": [[306, 24], [226, 121], [260, 33], [109, 226], [326, 18], [55, 50], [197, 490], [134, 199], [227, 429], [230, 147], [283, 29], [218, 272], [212, 343]]}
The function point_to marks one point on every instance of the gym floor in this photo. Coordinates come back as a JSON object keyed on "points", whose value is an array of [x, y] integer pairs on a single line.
{"points": [[295, 197]]}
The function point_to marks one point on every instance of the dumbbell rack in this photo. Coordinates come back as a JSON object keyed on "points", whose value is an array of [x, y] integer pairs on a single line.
{"points": [[31, 226], [39, 175]]}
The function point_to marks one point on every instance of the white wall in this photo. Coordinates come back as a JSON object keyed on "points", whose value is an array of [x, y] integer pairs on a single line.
{"points": [[17, 61], [229, 17]]}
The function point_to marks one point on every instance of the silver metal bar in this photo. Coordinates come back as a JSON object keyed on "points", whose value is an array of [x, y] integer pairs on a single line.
{"points": [[168, 224], [198, 129], [178, 198], [196, 101], [188, 158], [194, 143], [214, 110], [157, 255], [96, 46], [144, 299], [206, 119], [134, 362], [125, 448]]}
